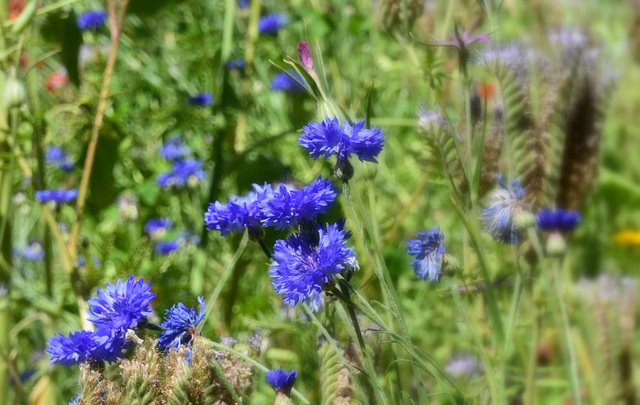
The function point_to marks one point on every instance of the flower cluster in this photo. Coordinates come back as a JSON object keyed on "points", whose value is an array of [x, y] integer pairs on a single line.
{"points": [[117, 309], [504, 206], [185, 170], [156, 228], [428, 251], [92, 20]]}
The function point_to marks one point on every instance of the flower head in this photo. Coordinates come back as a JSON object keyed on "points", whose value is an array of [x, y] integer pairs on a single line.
{"points": [[120, 307], [505, 204], [157, 228], [201, 99], [236, 64], [428, 251], [92, 20], [557, 221], [302, 267], [33, 252], [282, 82], [285, 208], [281, 381], [163, 248], [127, 207], [464, 366], [271, 24], [237, 214], [181, 325], [80, 347], [58, 196], [329, 138], [175, 148], [57, 157]]}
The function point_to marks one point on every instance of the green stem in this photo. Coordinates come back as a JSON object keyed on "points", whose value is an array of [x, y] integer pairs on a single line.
{"points": [[224, 277], [116, 29], [530, 391], [385, 282], [573, 364]]}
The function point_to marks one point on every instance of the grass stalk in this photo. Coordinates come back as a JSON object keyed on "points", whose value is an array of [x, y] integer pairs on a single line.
{"points": [[116, 30]]}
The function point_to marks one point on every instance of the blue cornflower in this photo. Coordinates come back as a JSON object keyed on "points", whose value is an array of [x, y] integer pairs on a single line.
{"points": [[181, 325], [92, 20], [271, 24], [498, 218], [187, 237], [557, 221], [120, 307], [80, 347], [428, 251], [185, 172], [58, 196], [202, 99], [282, 82], [243, 3], [57, 157], [286, 208], [175, 148], [302, 267], [329, 138], [281, 381], [164, 248], [157, 228], [189, 171], [236, 64], [237, 214], [33, 252], [82, 262]]}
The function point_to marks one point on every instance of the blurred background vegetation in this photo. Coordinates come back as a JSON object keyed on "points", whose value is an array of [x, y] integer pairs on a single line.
{"points": [[170, 50]]}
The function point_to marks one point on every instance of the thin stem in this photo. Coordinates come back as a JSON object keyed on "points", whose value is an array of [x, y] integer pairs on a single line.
{"points": [[530, 392], [265, 249], [573, 365], [352, 315], [384, 279], [116, 29]]}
